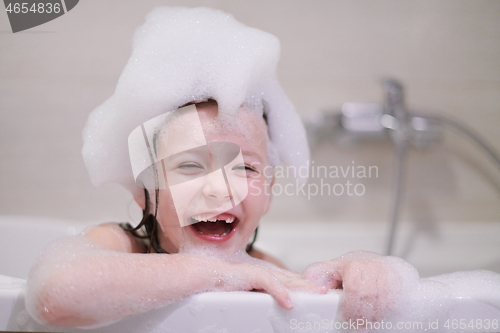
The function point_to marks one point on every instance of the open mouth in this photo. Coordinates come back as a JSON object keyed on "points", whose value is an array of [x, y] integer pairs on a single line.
{"points": [[219, 227]]}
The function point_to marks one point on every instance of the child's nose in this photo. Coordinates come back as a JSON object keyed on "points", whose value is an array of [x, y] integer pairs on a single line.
{"points": [[215, 186]]}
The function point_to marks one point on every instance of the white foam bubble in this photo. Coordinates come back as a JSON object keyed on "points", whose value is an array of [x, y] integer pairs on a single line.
{"points": [[182, 55]]}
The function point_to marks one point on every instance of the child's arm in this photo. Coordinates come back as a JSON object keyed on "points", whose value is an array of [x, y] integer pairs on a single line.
{"points": [[372, 284], [95, 280]]}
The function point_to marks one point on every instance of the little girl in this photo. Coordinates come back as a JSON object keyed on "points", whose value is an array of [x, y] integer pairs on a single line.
{"points": [[196, 118]]}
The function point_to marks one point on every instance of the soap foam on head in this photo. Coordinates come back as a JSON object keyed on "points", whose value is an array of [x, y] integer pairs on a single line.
{"points": [[182, 55]]}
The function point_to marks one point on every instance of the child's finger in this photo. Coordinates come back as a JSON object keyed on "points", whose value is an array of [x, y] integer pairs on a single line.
{"points": [[327, 273], [276, 289], [306, 285], [294, 281]]}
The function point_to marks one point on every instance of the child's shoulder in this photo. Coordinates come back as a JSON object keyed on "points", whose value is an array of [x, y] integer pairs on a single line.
{"points": [[264, 256], [115, 238]]}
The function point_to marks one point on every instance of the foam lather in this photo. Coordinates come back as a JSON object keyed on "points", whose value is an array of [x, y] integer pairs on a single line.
{"points": [[182, 55]]}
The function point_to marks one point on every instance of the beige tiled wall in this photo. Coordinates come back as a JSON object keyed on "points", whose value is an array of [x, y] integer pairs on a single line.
{"points": [[447, 53]]}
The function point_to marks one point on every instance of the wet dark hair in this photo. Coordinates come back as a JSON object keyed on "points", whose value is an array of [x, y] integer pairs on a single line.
{"points": [[150, 224]]}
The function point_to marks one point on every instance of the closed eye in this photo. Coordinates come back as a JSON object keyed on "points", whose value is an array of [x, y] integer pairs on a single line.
{"points": [[190, 168], [244, 167], [190, 165], [248, 169]]}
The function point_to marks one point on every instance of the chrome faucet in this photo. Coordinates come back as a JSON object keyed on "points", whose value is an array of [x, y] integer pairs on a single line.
{"points": [[394, 120]]}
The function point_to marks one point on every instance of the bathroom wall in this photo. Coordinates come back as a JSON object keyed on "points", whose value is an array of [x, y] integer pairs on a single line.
{"points": [[447, 54]]}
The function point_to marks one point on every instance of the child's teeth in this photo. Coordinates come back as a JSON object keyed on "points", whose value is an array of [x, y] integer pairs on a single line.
{"points": [[212, 219]]}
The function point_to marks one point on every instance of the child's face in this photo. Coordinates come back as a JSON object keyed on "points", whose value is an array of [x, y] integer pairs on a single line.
{"points": [[214, 172]]}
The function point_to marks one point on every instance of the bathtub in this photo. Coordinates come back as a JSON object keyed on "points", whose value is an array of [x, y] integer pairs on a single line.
{"points": [[23, 237]]}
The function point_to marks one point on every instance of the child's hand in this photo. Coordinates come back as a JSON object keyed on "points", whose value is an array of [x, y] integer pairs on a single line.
{"points": [[372, 283], [260, 275]]}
